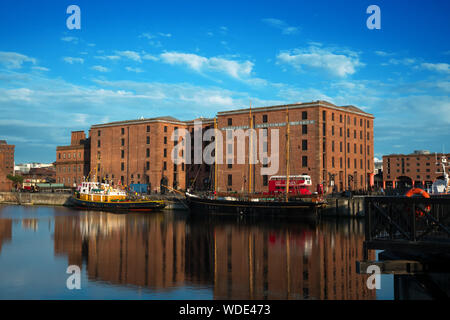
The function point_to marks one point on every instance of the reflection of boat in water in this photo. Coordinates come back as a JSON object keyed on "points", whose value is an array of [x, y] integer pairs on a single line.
{"points": [[102, 196]]}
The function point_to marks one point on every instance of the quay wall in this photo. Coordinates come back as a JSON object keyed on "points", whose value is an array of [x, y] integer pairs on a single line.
{"points": [[344, 207], [52, 199], [337, 207], [59, 199]]}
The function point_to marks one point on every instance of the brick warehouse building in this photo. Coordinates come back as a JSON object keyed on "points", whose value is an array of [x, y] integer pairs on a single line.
{"points": [[73, 162], [332, 144], [419, 169], [139, 152], [6, 165]]}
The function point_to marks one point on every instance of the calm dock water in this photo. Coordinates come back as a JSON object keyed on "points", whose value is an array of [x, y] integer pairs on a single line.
{"points": [[171, 255]]}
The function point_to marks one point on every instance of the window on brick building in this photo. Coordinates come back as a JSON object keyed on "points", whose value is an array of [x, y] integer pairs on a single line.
{"points": [[230, 180], [332, 130], [340, 146], [230, 121], [122, 130], [148, 140], [148, 128], [165, 128], [122, 166], [340, 162], [165, 153], [265, 180], [147, 165], [122, 154], [304, 129], [264, 118], [324, 115], [332, 116], [332, 146], [304, 161], [165, 165], [340, 132], [230, 166], [340, 118], [122, 142], [332, 162], [324, 129], [165, 140], [99, 133], [148, 152], [98, 143], [304, 115], [304, 144]]}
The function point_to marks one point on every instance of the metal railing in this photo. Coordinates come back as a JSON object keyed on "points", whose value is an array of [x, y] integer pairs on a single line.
{"points": [[413, 219]]}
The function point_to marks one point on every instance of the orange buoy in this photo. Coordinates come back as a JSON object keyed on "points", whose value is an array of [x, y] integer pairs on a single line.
{"points": [[424, 194], [414, 191]]}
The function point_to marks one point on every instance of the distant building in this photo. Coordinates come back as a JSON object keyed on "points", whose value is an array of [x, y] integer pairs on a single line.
{"points": [[418, 169], [73, 162], [41, 175], [24, 168], [6, 165]]}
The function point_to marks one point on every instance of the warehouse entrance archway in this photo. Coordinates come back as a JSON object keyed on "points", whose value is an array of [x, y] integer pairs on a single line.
{"points": [[164, 184], [404, 182]]}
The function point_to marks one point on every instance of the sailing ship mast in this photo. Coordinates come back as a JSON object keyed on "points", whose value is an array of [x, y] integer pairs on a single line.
{"points": [[250, 152], [215, 158], [287, 153]]}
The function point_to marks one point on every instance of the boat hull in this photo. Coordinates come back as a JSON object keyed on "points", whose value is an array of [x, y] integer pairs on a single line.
{"points": [[300, 209], [117, 206]]}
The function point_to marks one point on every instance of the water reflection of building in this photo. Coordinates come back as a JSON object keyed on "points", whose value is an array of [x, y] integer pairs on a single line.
{"points": [[5, 231], [135, 250], [31, 224], [239, 260], [255, 263]]}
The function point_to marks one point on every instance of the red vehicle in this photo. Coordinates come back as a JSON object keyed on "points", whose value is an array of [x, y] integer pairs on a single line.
{"points": [[298, 185]]}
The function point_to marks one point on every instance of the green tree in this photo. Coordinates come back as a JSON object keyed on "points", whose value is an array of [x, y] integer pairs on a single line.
{"points": [[17, 180]]}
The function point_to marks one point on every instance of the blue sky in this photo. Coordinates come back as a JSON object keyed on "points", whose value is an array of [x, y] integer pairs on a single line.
{"points": [[194, 58]]}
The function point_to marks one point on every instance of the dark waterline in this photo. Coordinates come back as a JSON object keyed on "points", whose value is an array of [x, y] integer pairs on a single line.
{"points": [[171, 255]]}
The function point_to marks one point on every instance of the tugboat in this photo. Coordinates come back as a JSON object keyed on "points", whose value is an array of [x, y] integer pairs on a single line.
{"points": [[288, 195], [102, 196]]}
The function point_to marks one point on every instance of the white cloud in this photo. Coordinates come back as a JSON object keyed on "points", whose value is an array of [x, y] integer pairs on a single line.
{"points": [[404, 61], [283, 26], [100, 68], [438, 67], [70, 39], [137, 70], [38, 68], [14, 60], [132, 55], [150, 57], [340, 63], [73, 60], [383, 53], [198, 63], [112, 57]]}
